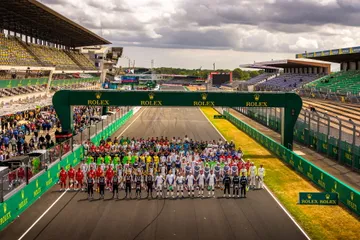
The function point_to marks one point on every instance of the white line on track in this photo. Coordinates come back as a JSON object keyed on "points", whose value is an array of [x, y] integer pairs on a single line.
{"points": [[37, 220], [266, 188], [53, 204]]}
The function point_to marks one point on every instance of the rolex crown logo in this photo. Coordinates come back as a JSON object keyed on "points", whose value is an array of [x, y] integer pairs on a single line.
{"points": [[310, 169], [256, 97], [352, 196], [5, 208], [37, 183], [204, 96], [309, 196], [98, 95], [327, 196], [151, 96]]}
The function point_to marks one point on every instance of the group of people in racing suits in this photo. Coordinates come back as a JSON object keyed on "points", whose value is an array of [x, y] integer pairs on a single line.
{"points": [[168, 167]]}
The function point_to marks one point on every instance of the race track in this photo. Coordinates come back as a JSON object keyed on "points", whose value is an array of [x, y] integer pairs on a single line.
{"points": [[74, 217]]}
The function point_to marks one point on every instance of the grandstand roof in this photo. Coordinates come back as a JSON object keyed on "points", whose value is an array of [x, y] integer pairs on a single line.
{"points": [[335, 55], [32, 18], [288, 63], [258, 66]]}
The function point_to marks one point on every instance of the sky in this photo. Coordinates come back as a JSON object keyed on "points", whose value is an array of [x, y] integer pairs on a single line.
{"points": [[198, 33]]}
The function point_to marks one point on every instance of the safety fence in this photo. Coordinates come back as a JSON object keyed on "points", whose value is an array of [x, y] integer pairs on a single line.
{"points": [[28, 194], [347, 195], [337, 139]]}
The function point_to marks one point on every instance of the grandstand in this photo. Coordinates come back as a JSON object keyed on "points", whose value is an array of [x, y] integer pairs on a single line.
{"points": [[295, 74], [287, 82], [342, 82]]}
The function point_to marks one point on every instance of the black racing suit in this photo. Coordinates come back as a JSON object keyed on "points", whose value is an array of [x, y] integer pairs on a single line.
{"points": [[115, 182], [127, 185], [102, 183], [243, 183], [90, 187], [236, 183], [226, 182], [150, 181], [138, 186]]}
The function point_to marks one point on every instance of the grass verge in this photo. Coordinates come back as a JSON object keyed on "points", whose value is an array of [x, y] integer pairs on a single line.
{"points": [[319, 222]]}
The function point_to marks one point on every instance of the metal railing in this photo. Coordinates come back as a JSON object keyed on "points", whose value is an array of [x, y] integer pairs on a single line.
{"points": [[326, 94], [11, 180]]}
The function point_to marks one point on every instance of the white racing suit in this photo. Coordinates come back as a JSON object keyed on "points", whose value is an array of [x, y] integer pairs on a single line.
{"points": [[190, 180], [211, 180], [159, 182], [261, 175], [170, 181], [201, 184], [180, 185], [252, 171]]}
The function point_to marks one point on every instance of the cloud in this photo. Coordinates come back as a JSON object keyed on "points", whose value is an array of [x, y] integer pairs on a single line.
{"points": [[247, 26]]}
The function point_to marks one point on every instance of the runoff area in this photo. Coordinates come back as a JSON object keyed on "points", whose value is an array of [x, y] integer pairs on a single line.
{"points": [[290, 102]]}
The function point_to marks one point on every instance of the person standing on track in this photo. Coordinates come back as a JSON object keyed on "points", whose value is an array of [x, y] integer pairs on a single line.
{"points": [[170, 181], [115, 186], [226, 182], [159, 181], [109, 177], [128, 184], [180, 184], [217, 172], [236, 185], [79, 176], [149, 182], [90, 186], [71, 175], [138, 185], [190, 181], [63, 176], [211, 181], [261, 176], [102, 183], [243, 183], [201, 183], [252, 171]]}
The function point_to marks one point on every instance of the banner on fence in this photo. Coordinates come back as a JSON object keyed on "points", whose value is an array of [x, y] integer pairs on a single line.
{"points": [[318, 198]]}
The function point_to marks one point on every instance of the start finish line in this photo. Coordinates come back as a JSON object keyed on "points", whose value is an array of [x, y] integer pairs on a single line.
{"points": [[291, 102]]}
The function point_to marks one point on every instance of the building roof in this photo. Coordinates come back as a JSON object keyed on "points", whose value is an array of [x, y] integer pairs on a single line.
{"points": [[32, 18], [289, 63], [335, 55], [258, 66]]}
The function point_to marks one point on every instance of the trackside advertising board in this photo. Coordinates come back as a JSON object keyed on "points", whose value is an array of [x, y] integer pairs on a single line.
{"points": [[318, 198]]}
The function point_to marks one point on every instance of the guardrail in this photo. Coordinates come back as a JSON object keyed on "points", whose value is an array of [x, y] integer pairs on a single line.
{"points": [[26, 195], [348, 196]]}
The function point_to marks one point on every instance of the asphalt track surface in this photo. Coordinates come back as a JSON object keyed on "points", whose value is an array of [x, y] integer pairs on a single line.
{"points": [[74, 217]]}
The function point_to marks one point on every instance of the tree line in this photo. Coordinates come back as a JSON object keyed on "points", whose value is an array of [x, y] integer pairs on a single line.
{"points": [[238, 74]]}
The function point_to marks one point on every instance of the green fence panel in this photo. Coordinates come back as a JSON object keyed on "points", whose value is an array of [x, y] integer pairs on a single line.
{"points": [[357, 157], [348, 196], [346, 153], [333, 148]]}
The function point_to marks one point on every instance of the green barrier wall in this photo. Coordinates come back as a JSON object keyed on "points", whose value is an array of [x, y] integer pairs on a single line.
{"points": [[23, 199], [64, 82], [13, 83], [347, 195]]}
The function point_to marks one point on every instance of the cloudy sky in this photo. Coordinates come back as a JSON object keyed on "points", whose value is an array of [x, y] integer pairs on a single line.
{"points": [[194, 33]]}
